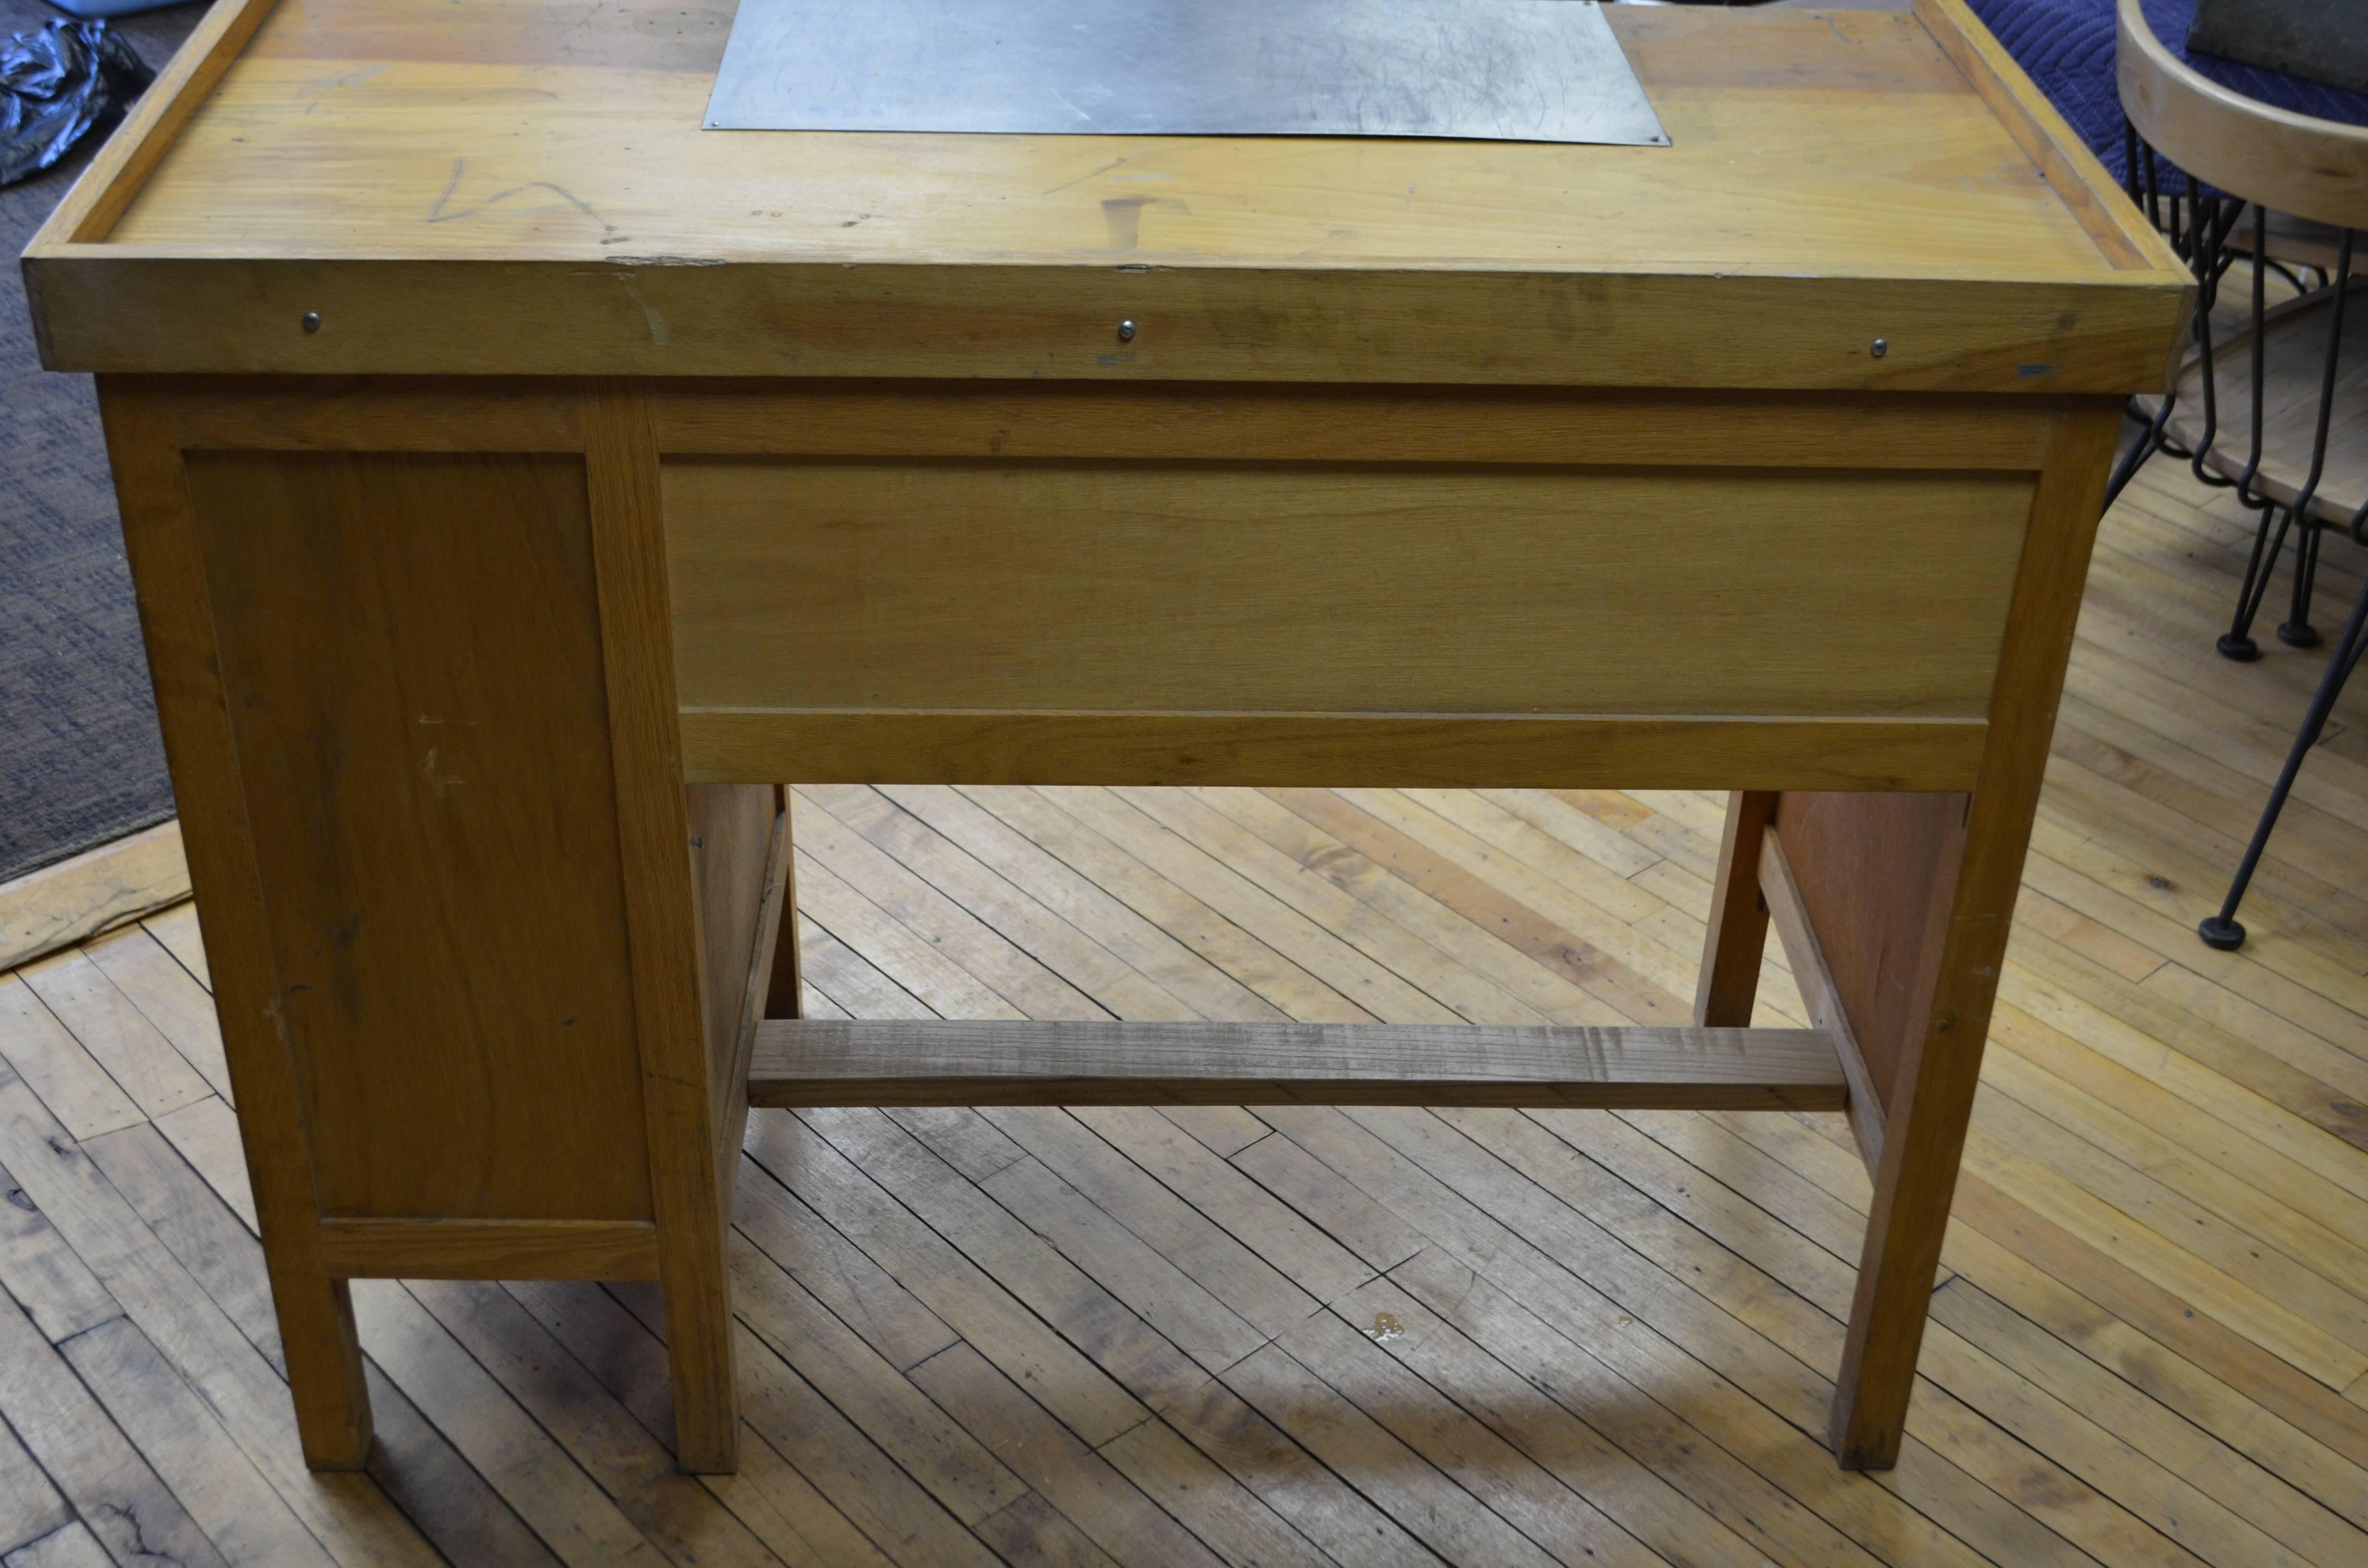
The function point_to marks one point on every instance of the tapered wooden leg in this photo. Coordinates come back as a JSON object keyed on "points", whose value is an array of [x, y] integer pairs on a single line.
{"points": [[1974, 868], [325, 1369], [698, 1349], [1878, 880], [1738, 917]]}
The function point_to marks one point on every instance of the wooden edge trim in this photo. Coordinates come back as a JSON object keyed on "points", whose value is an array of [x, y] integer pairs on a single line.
{"points": [[490, 1249], [1810, 973], [92, 893], [1006, 421], [2082, 182], [464, 414], [2295, 163], [721, 745], [106, 309], [106, 188], [943, 1061]]}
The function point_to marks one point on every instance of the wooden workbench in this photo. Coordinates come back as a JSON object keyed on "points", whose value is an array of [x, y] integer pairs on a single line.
{"points": [[520, 481]]}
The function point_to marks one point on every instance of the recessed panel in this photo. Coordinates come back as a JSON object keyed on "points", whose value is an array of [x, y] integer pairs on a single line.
{"points": [[1168, 587], [411, 652]]}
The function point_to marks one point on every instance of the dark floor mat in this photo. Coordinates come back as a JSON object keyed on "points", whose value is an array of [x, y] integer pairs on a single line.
{"points": [[80, 759]]}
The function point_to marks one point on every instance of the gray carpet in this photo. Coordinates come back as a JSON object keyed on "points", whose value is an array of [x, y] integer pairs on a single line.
{"points": [[80, 760]]}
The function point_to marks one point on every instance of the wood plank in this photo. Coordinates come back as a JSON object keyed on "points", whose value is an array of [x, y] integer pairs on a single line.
{"points": [[66, 1078], [170, 997], [238, 1445], [418, 1468], [177, 929], [95, 890], [458, 876], [157, 1078], [1299, 579], [81, 1449], [830, 1061]]}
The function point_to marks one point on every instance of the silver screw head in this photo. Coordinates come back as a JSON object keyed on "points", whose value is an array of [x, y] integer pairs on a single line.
{"points": [[1881, 347], [311, 322], [1126, 332]]}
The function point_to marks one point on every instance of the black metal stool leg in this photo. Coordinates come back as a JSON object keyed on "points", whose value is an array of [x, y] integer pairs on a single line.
{"points": [[2295, 631], [2221, 930], [2238, 642]]}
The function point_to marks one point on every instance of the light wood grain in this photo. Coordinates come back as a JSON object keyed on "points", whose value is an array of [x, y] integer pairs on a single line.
{"points": [[119, 172], [1148, 588], [2064, 160], [1791, 223], [95, 890], [828, 1062], [447, 609]]}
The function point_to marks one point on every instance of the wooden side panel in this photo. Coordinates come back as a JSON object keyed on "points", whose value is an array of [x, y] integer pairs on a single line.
{"points": [[1192, 586], [411, 658], [1875, 874]]}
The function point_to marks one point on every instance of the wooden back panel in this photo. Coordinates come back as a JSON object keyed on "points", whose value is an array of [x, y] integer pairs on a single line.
{"points": [[1374, 587], [410, 648]]}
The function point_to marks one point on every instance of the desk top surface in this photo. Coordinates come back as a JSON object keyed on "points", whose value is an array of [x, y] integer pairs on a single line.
{"points": [[1839, 146]]}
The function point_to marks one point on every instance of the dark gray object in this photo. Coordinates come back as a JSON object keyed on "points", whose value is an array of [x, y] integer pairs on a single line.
{"points": [[1489, 70], [2319, 40], [57, 84]]}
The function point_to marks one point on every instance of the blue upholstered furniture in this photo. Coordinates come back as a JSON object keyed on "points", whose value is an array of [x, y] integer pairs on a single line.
{"points": [[2067, 46]]}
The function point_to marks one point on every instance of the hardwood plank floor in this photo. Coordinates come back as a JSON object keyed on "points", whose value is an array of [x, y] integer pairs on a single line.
{"points": [[1307, 1335]]}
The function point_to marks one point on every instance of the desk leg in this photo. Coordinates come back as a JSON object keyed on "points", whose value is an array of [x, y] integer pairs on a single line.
{"points": [[1876, 877], [687, 1087], [1738, 917], [1932, 880]]}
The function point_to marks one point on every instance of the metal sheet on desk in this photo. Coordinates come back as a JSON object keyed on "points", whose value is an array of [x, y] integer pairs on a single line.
{"points": [[1486, 69]]}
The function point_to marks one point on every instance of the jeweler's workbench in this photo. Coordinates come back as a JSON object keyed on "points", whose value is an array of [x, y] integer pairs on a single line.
{"points": [[520, 481]]}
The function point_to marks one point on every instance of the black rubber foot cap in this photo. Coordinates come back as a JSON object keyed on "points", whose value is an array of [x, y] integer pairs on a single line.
{"points": [[2225, 935], [2298, 636], [2243, 650]]}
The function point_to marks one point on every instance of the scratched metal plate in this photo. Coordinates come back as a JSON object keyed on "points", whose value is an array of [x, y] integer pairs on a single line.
{"points": [[1486, 69]]}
